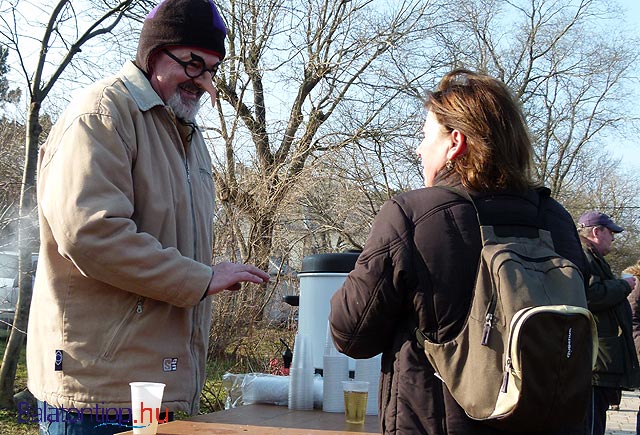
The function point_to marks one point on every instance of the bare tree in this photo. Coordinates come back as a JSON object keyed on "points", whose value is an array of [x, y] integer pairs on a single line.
{"points": [[12, 133], [293, 68], [343, 191], [10, 151], [574, 90], [567, 61], [571, 63], [7, 95], [614, 191], [70, 26]]}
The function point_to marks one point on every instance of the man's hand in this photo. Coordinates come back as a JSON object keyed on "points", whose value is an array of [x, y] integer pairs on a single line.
{"points": [[229, 276]]}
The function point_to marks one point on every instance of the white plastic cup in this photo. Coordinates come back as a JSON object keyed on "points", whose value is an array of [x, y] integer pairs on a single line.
{"points": [[355, 401], [369, 370], [146, 400], [329, 346], [301, 375], [335, 370]]}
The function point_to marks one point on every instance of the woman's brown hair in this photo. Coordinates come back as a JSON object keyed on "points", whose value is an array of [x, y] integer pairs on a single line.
{"points": [[499, 151]]}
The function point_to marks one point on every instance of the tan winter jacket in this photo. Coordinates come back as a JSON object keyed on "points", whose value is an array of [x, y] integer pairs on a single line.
{"points": [[126, 235]]}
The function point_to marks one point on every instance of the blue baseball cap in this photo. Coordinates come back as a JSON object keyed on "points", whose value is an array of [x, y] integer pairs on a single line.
{"points": [[596, 219]]}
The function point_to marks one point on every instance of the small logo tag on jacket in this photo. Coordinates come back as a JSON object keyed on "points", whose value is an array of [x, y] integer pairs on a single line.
{"points": [[170, 364], [58, 364]]}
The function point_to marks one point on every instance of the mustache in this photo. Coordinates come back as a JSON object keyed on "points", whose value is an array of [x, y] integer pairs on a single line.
{"points": [[192, 87]]}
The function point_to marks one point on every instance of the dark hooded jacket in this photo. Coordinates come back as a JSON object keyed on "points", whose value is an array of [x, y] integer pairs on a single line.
{"points": [[418, 268], [617, 364]]}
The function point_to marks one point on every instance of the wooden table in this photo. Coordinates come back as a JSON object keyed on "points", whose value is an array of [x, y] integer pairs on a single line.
{"points": [[260, 419]]}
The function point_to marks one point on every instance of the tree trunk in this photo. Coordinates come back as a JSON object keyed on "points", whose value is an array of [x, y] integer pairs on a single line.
{"points": [[27, 242], [262, 242]]}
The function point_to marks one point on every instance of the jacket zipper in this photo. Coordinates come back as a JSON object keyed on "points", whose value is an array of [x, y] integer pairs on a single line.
{"points": [[193, 212], [139, 306], [195, 309]]}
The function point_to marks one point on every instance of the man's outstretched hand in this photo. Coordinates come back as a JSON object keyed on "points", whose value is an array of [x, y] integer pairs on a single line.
{"points": [[230, 276]]}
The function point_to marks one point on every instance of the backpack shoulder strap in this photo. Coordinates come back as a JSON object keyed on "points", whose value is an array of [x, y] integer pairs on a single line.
{"points": [[543, 195], [419, 334]]}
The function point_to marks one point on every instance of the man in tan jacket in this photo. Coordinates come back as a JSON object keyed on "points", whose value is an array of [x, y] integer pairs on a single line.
{"points": [[125, 197]]}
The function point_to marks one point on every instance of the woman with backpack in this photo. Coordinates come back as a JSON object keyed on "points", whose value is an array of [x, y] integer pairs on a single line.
{"points": [[420, 261]]}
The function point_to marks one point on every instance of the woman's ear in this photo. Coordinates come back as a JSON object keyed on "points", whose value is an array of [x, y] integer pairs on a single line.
{"points": [[458, 145]]}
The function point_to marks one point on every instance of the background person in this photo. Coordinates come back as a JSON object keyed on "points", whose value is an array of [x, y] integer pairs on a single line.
{"points": [[125, 201], [634, 302], [617, 364], [420, 260]]}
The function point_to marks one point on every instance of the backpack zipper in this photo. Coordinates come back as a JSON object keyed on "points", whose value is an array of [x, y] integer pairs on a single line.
{"points": [[488, 321], [505, 377], [508, 364], [491, 309]]}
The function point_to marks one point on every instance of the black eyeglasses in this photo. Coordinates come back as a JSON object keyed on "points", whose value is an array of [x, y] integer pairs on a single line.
{"points": [[195, 67]]}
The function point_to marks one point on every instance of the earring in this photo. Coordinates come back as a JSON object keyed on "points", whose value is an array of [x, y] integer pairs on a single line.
{"points": [[448, 165]]}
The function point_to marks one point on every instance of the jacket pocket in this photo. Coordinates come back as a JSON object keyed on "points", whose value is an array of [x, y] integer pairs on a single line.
{"points": [[118, 336], [611, 355]]}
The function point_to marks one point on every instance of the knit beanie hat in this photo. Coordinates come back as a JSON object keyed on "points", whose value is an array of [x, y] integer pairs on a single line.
{"points": [[190, 23]]}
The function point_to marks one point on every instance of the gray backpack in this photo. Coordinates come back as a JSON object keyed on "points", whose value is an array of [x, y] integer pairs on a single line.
{"points": [[523, 359]]}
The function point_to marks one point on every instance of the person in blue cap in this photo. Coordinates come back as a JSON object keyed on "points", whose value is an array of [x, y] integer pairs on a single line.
{"points": [[617, 363], [126, 206]]}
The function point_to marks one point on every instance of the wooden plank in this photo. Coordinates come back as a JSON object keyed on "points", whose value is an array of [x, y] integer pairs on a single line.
{"points": [[185, 427], [261, 419]]}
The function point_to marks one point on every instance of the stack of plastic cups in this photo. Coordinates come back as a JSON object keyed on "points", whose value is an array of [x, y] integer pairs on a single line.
{"points": [[335, 369], [369, 370], [301, 375]]}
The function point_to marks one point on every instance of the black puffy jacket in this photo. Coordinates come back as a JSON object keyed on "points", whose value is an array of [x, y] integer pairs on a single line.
{"points": [[417, 269]]}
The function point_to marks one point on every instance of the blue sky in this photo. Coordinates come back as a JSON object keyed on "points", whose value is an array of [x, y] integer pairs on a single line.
{"points": [[628, 147], [633, 9]]}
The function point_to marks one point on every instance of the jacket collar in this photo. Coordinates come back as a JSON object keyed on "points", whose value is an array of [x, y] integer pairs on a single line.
{"points": [[450, 178], [139, 87], [447, 177]]}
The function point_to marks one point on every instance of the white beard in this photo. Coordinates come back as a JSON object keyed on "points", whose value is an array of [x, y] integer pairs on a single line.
{"points": [[185, 111]]}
